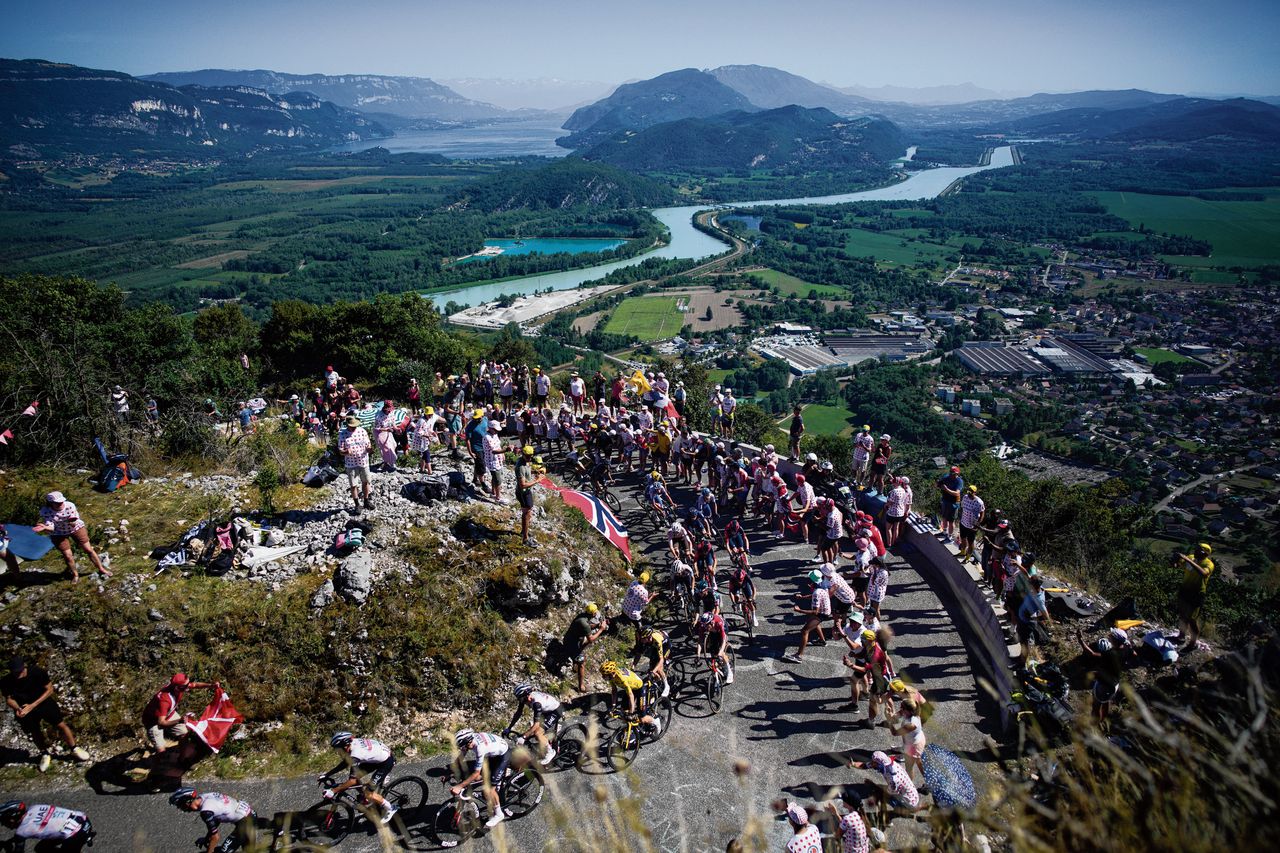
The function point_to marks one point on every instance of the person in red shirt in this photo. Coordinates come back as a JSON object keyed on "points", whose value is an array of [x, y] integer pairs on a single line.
{"points": [[161, 716]]}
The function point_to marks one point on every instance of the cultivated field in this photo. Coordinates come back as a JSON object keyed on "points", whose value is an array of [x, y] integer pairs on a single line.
{"points": [[1154, 355], [649, 318], [1243, 233], [788, 284]]}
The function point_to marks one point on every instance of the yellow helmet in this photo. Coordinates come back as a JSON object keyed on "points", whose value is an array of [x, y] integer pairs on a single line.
{"points": [[609, 668], [655, 476]]}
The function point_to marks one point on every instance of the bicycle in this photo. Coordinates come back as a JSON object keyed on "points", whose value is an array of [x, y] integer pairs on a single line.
{"points": [[331, 820], [463, 815]]}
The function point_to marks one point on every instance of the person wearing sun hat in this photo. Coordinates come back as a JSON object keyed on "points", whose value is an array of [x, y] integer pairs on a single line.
{"points": [[805, 835], [384, 433], [526, 479], [60, 518], [354, 445]]}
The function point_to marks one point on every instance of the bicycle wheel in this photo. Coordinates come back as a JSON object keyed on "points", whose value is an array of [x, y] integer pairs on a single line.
{"points": [[614, 504], [456, 821], [407, 792], [713, 689], [521, 792], [326, 823], [662, 711], [572, 749], [624, 744]]}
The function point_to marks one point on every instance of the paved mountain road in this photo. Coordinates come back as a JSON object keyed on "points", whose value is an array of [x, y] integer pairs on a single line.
{"points": [[785, 719]]}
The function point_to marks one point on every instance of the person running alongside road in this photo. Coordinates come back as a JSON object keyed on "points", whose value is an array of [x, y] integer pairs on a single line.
{"points": [[819, 611], [492, 755], [215, 810], [369, 762], [711, 633], [547, 714], [52, 828]]}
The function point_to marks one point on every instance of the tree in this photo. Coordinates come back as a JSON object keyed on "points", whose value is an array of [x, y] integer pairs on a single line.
{"points": [[707, 316], [512, 348], [753, 424]]}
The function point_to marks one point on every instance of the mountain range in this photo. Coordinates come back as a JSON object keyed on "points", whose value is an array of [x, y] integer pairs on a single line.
{"points": [[928, 96], [551, 94], [1174, 120], [790, 136], [49, 108], [379, 96]]}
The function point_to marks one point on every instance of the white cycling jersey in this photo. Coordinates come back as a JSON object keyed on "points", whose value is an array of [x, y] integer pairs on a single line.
{"points": [[543, 703], [366, 750], [43, 821], [488, 745]]}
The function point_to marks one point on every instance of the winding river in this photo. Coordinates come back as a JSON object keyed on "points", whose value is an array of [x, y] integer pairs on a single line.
{"points": [[689, 242]]}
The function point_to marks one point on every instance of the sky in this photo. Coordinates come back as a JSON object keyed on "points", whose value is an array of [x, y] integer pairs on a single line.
{"points": [[1202, 46]]}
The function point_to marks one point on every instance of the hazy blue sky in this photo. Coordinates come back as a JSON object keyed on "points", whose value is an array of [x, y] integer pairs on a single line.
{"points": [[1173, 45]]}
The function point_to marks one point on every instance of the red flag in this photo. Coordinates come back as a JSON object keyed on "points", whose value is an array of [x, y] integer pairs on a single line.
{"points": [[597, 513], [217, 720], [672, 413], [30, 411], [5, 436]]}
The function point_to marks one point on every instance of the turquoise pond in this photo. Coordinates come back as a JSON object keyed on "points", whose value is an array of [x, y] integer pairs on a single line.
{"points": [[552, 246]]}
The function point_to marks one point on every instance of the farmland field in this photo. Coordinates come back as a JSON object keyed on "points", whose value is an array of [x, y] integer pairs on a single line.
{"points": [[649, 318], [788, 284], [1243, 233], [825, 420], [889, 247]]}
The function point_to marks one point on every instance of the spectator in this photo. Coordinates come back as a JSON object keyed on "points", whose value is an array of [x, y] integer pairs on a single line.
{"points": [[477, 429], [384, 433], [863, 444], [796, 431], [414, 396], [911, 730], [526, 479], [880, 457], [1032, 613], [244, 416], [153, 415], [1197, 570], [634, 604], [805, 836], [60, 517], [1106, 656], [728, 408], [877, 584], [972, 509], [819, 611], [161, 716], [678, 397], [425, 430], [951, 487], [896, 509], [28, 691], [120, 403], [577, 392], [587, 627], [9, 558], [493, 460], [354, 445], [541, 388]]}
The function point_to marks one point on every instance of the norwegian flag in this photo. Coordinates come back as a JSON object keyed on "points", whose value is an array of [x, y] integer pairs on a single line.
{"points": [[216, 721], [597, 513]]}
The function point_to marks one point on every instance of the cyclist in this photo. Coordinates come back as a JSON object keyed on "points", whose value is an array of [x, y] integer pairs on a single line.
{"points": [[369, 762], [53, 828], [704, 559], [679, 543], [742, 587], [621, 678], [656, 645], [599, 473], [215, 810], [682, 579], [707, 596], [492, 755], [656, 494], [705, 511], [547, 713], [735, 538], [712, 634]]}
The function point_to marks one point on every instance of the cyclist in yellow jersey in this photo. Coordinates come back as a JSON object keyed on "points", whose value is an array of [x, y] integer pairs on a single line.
{"points": [[621, 678]]}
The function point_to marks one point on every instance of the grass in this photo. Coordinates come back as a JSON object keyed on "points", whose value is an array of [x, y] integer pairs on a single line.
{"points": [[826, 420], [1243, 233], [1155, 355], [892, 248], [649, 318], [789, 284]]}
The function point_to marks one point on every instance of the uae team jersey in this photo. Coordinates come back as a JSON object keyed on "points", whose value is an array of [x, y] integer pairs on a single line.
{"points": [[217, 809], [369, 751], [47, 822]]}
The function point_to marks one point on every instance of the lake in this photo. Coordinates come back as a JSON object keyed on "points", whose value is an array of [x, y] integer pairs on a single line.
{"points": [[549, 246], [530, 137], [689, 242]]}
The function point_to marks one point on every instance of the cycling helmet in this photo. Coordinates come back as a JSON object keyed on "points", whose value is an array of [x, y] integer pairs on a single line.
{"points": [[1104, 645], [706, 490], [827, 466], [705, 618], [463, 738], [182, 796], [768, 448], [811, 457], [340, 740], [609, 668], [523, 690], [655, 476], [11, 812]]}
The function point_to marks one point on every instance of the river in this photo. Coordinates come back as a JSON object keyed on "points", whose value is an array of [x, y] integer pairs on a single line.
{"points": [[689, 242]]}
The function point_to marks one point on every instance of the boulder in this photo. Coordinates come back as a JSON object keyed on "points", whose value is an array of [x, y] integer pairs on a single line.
{"points": [[323, 596], [355, 577]]}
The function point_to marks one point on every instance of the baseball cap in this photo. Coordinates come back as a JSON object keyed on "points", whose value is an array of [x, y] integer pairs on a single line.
{"points": [[478, 413], [17, 665], [55, 497], [179, 680], [955, 469]]}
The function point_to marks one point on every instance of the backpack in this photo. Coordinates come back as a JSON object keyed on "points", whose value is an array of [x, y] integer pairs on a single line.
{"points": [[319, 475], [349, 540]]}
